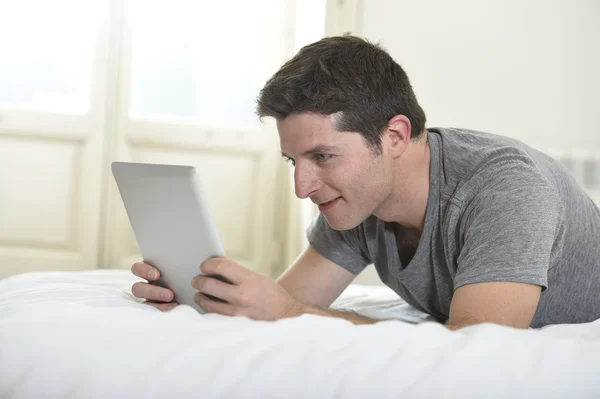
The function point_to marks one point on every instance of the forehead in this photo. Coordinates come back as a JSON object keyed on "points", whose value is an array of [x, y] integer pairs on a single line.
{"points": [[300, 132], [305, 124]]}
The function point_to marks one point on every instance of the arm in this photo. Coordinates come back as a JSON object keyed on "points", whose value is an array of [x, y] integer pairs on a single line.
{"points": [[510, 232], [316, 282], [354, 317], [314, 279], [310, 285], [509, 304], [303, 290]]}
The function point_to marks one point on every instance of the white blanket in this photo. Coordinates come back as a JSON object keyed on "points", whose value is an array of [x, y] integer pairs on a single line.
{"points": [[83, 335]]}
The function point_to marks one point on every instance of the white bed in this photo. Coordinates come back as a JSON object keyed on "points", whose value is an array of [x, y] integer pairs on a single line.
{"points": [[82, 335]]}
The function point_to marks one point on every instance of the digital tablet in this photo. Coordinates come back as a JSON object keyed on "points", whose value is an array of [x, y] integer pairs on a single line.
{"points": [[171, 220]]}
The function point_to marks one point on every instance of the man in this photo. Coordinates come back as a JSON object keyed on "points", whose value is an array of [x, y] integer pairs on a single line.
{"points": [[467, 226]]}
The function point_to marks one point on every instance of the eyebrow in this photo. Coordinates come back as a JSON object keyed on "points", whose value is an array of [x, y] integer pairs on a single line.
{"points": [[315, 150]]}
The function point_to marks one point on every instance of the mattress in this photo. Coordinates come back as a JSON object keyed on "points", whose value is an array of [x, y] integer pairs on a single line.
{"points": [[83, 335]]}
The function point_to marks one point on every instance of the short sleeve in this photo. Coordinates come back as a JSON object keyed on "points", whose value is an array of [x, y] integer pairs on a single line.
{"points": [[509, 229], [344, 248]]}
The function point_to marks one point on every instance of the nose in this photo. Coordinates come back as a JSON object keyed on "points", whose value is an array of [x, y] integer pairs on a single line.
{"points": [[305, 180]]}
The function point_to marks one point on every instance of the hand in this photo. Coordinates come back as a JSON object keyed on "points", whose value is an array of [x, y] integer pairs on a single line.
{"points": [[248, 294], [155, 295]]}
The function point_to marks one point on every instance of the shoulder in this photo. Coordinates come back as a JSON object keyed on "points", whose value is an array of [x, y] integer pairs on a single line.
{"points": [[473, 161]]}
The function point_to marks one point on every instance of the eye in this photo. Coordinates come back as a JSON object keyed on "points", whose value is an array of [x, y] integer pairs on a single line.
{"points": [[319, 157], [290, 161]]}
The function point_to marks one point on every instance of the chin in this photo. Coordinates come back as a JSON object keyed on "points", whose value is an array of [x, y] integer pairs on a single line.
{"points": [[341, 224]]}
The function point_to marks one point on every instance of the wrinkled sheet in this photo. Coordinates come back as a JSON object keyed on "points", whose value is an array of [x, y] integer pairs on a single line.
{"points": [[83, 335]]}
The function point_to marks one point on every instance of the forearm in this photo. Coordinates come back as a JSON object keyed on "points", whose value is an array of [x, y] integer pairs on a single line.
{"points": [[303, 308]]}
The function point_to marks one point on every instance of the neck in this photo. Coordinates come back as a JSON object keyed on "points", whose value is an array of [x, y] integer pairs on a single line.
{"points": [[407, 203]]}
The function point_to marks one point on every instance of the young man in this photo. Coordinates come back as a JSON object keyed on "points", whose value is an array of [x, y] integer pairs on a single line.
{"points": [[467, 226]]}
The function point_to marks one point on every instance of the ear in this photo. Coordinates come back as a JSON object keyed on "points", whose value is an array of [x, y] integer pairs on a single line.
{"points": [[397, 135]]}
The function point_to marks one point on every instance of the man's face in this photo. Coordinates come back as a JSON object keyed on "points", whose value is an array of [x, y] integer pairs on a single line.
{"points": [[337, 170]]}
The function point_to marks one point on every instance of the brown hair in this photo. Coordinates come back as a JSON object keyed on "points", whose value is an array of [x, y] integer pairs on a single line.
{"points": [[344, 74]]}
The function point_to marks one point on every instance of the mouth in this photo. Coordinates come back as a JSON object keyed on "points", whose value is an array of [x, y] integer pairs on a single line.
{"points": [[325, 206]]}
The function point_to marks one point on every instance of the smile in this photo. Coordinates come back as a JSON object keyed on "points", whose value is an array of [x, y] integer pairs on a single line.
{"points": [[328, 205]]}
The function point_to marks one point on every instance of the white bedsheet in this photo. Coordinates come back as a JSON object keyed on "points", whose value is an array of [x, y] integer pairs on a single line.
{"points": [[82, 335]]}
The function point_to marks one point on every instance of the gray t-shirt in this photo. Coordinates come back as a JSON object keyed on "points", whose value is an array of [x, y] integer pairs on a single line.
{"points": [[498, 210]]}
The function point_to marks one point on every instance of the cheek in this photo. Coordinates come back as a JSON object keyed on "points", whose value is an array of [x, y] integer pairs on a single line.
{"points": [[361, 180], [375, 179], [354, 180]]}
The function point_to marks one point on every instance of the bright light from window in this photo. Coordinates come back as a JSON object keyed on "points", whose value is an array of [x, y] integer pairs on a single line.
{"points": [[47, 53], [199, 60], [310, 22]]}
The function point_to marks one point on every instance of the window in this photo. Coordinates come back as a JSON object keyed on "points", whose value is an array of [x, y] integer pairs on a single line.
{"points": [[198, 60], [47, 54]]}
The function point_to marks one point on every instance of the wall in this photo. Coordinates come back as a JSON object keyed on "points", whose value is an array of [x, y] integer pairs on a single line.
{"points": [[526, 69]]}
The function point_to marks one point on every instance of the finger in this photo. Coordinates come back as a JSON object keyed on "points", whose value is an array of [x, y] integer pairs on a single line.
{"points": [[152, 292], [145, 270], [226, 268], [211, 306], [212, 286], [162, 306]]}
